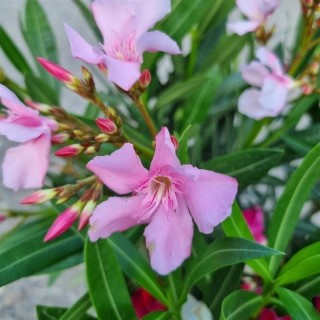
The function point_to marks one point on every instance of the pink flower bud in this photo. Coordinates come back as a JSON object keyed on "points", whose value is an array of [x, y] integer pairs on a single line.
{"points": [[41, 196], [307, 90], [44, 108], [145, 79], [64, 221], [103, 68], [86, 214], [2, 217], [57, 71], [316, 302], [175, 142], [106, 125], [70, 151], [60, 138]]}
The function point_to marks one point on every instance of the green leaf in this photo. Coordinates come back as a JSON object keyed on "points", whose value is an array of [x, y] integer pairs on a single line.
{"points": [[247, 166], [297, 145], [236, 226], [92, 112], [240, 305], [298, 307], [135, 266], [304, 263], [39, 90], [225, 281], [224, 252], [288, 208], [107, 287], [24, 254], [180, 90], [78, 310], [40, 39], [49, 313], [158, 315], [13, 53]]}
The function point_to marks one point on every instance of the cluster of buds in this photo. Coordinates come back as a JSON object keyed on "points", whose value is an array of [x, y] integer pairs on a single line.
{"points": [[263, 35], [81, 209], [310, 76]]}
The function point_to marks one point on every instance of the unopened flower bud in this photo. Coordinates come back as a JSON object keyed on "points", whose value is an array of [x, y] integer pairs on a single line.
{"points": [[60, 138], [41, 196], [58, 72], [86, 213], [87, 76], [70, 151], [64, 221], [92, 149], [112, 113], [106, 125], [308, 3], [103, 68], [307, 90], [118, 122], [102, 137], [2, 217], [175, 142], [44, 108], [145, 79]]}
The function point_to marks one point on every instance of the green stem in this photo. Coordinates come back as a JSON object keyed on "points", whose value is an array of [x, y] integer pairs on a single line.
{"points": [[138, 102]]}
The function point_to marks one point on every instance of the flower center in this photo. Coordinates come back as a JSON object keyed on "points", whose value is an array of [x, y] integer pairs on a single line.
{"points": [[159, 190], [124, 48]]}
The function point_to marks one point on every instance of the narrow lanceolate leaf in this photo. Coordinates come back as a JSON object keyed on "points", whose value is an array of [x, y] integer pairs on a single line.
{"points": [[24, 254], [158, 315], [289, 206], [78, 310], [297, 306], [49, 313], [247, 166], [303, 264], [236, 226], [240, 305], [107, 288], [224, 252], [40, 39], [136, 267], [13, 53]]}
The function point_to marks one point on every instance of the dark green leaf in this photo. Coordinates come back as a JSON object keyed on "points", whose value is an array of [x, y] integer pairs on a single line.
{"points": [[289, 206], [49, 313], [40, 39], [24, 254], [158, 315], [240, 305], [135, 266], [107, 287], [247, 166], [13, 53], [298, 307], [304, 263], [223, 252]]}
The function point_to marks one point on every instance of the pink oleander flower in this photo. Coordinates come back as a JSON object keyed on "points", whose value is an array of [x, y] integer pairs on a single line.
{"points": [[274, 85], [124, 26], [257, 11], [25, 166], [161, 198], [255, 220]]}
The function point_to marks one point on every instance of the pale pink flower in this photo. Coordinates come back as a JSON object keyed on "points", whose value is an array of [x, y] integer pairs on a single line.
{"points": [[274, 85], [257, 11], [255, 220], [25, 166], [162, 198], [124, 26]]}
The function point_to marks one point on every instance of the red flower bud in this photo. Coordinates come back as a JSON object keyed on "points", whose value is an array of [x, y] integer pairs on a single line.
{"points": [[38, 106], [60, 138], [145, 79], [106, 125], [175, 142], [41, 196], [70, 151]]}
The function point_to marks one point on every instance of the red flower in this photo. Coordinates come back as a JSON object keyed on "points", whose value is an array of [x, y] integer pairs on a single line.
{"points": [[144, 303]]}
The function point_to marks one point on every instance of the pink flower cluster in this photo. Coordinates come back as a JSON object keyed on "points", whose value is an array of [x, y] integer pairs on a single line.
{"points": [[25, 166], [162, 199], [124, 27], [273, 86], [257, 11]]}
